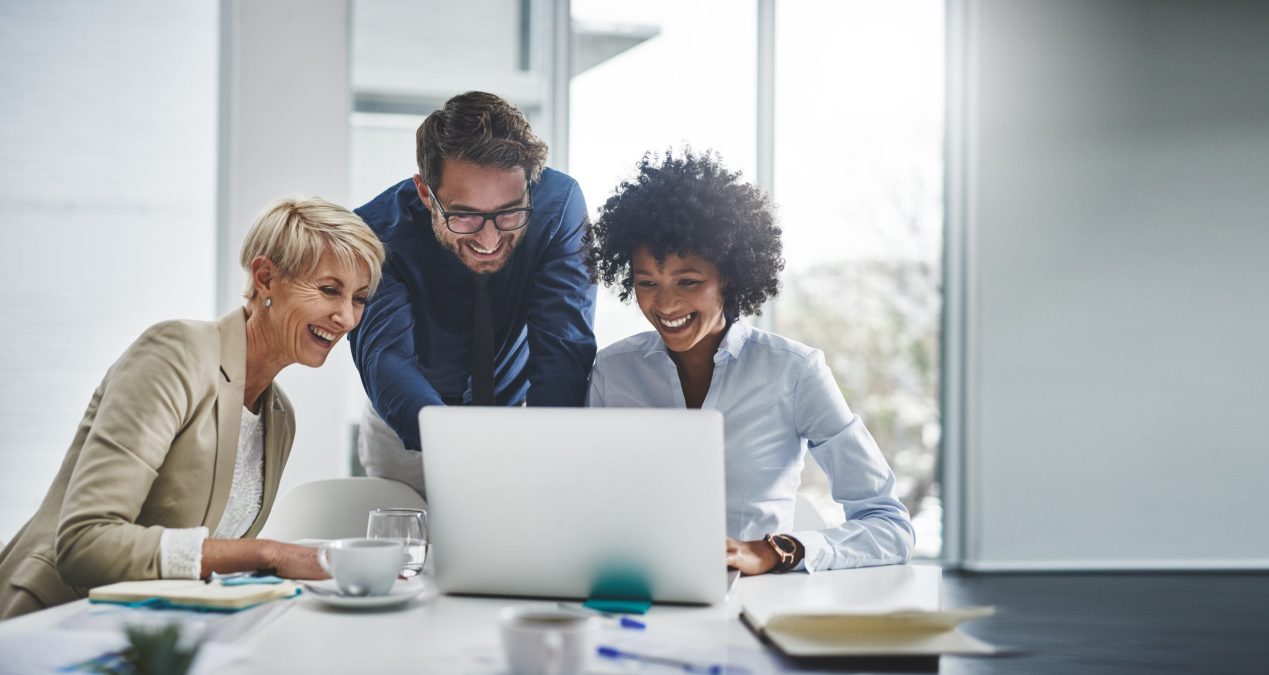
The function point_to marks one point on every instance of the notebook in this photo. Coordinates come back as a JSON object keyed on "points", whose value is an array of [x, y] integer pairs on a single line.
{"points": [[869, 612], [191, 594]]}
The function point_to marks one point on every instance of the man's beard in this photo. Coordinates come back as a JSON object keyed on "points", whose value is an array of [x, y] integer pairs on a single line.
{"points": [[456, 247]]}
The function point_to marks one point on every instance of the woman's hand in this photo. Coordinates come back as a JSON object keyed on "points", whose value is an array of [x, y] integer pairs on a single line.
{"points": [[290, 561], [751, 557], [293, 561]]}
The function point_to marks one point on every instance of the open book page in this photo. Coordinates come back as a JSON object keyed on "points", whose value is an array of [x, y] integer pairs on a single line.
{"points": [[192, 593], [893, 634], [875, 611], [866, 590]]}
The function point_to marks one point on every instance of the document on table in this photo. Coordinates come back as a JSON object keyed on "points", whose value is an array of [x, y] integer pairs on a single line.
{"points": [[656, 645], [875, 611], [219, 595], [213, 626], [51, 650]]}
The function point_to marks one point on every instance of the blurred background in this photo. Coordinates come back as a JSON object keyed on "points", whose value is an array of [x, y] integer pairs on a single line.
{"points": [[1028, 235]]}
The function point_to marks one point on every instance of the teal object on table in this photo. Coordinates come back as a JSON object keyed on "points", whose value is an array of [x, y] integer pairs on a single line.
{"points": [[619, 606], [251, 581], [164, 603], [620, 590]]}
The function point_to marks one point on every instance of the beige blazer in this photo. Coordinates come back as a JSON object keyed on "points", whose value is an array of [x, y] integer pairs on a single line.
{"points": [[155, 449]]}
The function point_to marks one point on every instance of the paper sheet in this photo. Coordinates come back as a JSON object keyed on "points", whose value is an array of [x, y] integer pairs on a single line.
{"points": [[49, 650], [214, 627], [488, 659]]}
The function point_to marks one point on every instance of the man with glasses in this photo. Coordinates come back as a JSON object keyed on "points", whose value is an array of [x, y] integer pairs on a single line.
{"points": [[485, 298]]}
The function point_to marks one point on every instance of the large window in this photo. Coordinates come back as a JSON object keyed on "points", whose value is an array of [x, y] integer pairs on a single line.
{"points": [[857, 183], [858, 180], [685, 76]]}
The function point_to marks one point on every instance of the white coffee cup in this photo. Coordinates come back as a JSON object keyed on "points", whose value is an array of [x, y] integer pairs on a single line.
{"points": [[362, 566], [546, 640]]}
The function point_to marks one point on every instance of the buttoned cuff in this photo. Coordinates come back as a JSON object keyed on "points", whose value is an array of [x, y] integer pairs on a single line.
{"points": [[181, 553], [818, 552]]}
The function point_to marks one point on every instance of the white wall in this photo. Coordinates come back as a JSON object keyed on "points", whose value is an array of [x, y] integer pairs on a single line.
{"points": [[107, 207], [285, 108], [409, 57], [435, 50], [1117, 226]]}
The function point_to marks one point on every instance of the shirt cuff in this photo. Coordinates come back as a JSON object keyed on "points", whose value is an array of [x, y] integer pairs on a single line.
{"points": [[181, 553], [818, 552]]}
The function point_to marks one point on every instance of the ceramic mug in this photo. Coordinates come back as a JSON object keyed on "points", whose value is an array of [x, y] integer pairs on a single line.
{"points": [[546, 640], [362, 566]]}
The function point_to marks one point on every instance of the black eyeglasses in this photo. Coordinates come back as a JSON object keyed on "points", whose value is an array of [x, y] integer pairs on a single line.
{"points": [[467, 222]]}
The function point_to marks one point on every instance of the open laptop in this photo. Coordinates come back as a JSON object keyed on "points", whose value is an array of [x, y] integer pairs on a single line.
{"points": [[549, 502]]}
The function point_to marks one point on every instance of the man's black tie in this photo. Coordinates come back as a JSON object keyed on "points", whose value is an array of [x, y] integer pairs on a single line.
{"points": [[482, 345]]}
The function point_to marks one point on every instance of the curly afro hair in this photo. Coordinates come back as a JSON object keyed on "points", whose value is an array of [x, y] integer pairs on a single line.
{"points": [[691, 204]]}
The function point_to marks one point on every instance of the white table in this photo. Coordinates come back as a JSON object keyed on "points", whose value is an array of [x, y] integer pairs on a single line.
{"points": [[451, 634]]}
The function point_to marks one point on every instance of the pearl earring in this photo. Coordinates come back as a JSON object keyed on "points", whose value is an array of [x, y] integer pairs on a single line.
{"points": [[268, 302]]}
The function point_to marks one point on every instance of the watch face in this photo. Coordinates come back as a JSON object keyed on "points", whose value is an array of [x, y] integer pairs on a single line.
{"points": [[783, 547]]}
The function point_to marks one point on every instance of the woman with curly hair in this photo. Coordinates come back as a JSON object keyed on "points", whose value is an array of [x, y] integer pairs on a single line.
{"points": [[698, 248]]}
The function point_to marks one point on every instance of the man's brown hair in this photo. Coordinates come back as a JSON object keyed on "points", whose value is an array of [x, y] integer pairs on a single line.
{"points": [[480, 128]]}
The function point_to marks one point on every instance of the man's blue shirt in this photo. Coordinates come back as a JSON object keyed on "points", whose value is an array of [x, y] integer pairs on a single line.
{"points": [[413, 346]]}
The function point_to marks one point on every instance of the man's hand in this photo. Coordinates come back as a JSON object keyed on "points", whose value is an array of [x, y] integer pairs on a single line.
{"points": [[751, 557]]}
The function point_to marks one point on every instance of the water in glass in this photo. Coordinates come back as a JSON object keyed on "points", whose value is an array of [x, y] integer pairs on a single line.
{"points": [[408, 526]]}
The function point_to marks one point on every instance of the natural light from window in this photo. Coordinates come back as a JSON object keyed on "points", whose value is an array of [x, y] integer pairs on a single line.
{"points": [[858, 185]]}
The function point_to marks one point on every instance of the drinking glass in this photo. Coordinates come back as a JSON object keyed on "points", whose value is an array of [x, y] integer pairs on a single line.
{"points": [[408, 526]]}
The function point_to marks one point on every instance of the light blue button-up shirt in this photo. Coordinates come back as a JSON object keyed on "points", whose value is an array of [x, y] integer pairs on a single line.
{"points": [[778, 399]]}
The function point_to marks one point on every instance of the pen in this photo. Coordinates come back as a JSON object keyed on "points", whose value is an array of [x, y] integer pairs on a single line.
{"points": [[109, 662], [688, 666], [263, 572], [623, 621]]}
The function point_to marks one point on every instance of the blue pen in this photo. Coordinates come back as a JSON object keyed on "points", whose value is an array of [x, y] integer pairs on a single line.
{"points": [[623, 621], [110, 662], [687, 666]]}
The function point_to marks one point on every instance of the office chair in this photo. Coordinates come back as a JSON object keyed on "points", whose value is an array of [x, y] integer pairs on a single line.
{"points": [[335, 508], [806, 516]]}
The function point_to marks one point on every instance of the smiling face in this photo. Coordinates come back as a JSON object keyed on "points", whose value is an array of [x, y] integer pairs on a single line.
{"points": [[468, 187], [682, 298], [310, 314]]}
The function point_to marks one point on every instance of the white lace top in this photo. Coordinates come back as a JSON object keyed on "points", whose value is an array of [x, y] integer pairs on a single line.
{"points": [[181, 550]]}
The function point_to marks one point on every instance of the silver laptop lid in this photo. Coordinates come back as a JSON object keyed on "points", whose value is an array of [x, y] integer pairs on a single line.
{"points": [[544, 502]]}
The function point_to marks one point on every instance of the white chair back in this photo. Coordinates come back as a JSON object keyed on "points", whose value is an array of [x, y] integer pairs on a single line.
{"points": [[806, 516], [335, 508]]}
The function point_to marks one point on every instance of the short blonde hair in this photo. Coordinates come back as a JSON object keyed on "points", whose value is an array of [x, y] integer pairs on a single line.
{"points": [[294, 232]]}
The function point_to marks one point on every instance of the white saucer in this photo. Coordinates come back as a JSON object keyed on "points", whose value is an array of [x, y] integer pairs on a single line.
{"points": [[327, 591]]}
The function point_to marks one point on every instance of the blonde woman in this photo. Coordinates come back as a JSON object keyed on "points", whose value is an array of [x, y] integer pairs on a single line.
{"points": [[176, 463]]}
